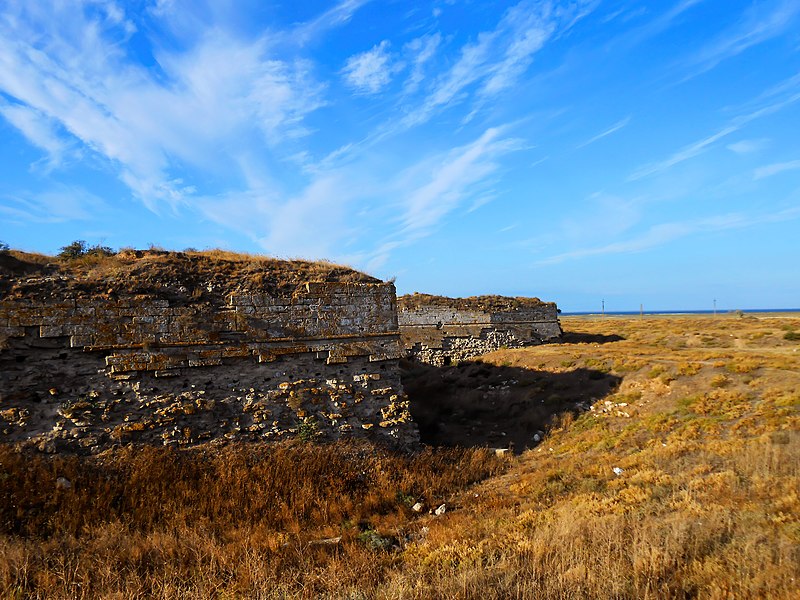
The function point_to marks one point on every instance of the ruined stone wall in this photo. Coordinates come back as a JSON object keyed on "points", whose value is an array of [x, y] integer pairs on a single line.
{"points": [[97, 371], [439, 330]]}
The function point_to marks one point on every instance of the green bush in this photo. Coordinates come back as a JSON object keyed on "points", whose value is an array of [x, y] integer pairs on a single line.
{"points": [[73, 250], [309, 430], [80, 248], [792, 336]]}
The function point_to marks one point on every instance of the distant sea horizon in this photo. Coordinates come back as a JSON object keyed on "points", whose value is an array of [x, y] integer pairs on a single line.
{"points": [[719, 311]]}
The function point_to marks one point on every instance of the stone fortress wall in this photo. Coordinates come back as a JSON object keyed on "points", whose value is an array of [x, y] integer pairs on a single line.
{"points": [[439, 330], [89, 372], [182, 348]]}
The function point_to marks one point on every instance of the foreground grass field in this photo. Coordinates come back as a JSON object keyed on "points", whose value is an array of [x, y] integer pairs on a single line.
{"points": [[680, 480]]}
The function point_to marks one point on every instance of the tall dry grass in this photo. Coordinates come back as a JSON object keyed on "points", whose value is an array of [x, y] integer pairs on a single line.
{"points": [[673, 486], [155, 521]]}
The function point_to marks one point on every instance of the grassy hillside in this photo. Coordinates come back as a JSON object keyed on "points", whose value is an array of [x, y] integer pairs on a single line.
{"points": [[188, 275], [681, 480]]}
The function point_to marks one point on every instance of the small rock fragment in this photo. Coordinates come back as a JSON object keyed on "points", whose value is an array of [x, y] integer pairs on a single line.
{"points": [[441, 510], [326, 542], [47, 446]]}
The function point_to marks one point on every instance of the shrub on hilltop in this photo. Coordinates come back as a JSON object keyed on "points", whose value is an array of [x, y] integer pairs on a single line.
{"points": [[80, 248]]}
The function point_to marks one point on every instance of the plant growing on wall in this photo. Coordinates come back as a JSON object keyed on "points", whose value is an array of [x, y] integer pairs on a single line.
{"points": [[309, 429]]}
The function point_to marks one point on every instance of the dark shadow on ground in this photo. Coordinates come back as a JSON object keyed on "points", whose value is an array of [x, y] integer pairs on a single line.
{"points": [[573, 337], [479, 404]]}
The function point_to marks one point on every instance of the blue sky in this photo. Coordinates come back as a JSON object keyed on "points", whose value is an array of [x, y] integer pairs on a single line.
{"points": [[583, 150]]}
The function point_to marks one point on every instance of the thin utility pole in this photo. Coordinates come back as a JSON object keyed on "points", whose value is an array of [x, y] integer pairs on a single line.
{"points": [[603, 305], [715, 307], [641, 311]]}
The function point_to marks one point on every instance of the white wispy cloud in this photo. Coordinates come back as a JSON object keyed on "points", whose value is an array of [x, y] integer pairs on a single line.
{"points": [[223, 100], [423, 195], [40, 130], [656, 25], [664, 233], [451, 178], [498, 57], [760, 23], [529, 31], [370, 71], [66, 69], [60, 204], [683, 154], [747, 146], [602, 214], [779, 98], [336, 16], [614, 128], [775, 169], [421, 51], [317, 221]]}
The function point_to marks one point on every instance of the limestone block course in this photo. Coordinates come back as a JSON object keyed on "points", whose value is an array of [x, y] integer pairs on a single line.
{"points": [[440, 330]]}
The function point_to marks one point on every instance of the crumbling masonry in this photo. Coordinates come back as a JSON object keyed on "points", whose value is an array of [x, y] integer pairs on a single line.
{"points": [[184, 348], [439, 330], [90, 372]]}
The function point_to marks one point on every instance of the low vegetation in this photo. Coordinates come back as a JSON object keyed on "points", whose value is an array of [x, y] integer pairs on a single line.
{"points": [[79, 249], [210, 275], [682, 479]]}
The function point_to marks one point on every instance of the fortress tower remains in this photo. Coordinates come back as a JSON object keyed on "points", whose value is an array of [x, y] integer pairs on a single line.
{"points": [[439, 330]]}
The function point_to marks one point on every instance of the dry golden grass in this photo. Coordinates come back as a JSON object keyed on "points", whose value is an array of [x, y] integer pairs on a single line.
{"points": [[672, 486], [157, 522], [691, 489]]}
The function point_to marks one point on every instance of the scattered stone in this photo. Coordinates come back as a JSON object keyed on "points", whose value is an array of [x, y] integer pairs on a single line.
{"points": [[63, 483], [418, 507], [618, 471], [326, 542], [441, 510]]}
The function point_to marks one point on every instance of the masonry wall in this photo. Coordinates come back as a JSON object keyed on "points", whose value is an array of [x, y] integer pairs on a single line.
{"points": [[445, 330], [86, 373]]}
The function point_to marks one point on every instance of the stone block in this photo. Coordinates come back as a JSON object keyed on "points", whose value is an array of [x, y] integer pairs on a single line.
{"points": [[204, 362], [82, 310], [162, 373], [51, 331], [81, 340], [10, 331]]}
